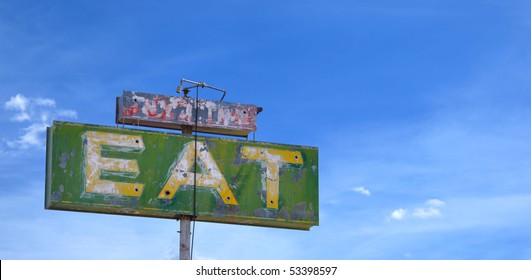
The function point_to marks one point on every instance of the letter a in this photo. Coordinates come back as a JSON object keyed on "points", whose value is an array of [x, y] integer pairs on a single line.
{"points": [[181, 173]]}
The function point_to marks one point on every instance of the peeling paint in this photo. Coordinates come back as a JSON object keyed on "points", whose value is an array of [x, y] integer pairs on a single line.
{"points": [[211, 176], [299, 175], [64, 160], [265, 213], [271, 160], [168, 111], [283, 214], [96, 164], [57, 195], [299, 212], [238, 159]]}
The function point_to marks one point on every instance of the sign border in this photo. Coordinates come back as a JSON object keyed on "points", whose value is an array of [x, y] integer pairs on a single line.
{"points": [[228, 219]]}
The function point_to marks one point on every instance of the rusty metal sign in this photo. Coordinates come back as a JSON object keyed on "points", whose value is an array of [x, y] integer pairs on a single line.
{"points": [[145, 173], [163, 111]]}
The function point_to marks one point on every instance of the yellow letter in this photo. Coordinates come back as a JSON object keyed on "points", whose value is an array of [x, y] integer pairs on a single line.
{"points": [[95, 164], [271, 158], [181, 173]]}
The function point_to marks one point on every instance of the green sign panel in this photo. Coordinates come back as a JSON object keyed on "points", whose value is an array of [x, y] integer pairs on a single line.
{"points": [[153, 174]]}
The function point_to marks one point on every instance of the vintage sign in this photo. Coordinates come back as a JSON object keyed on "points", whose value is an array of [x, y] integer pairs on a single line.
{"points": [[145, 173], [163, 111]]}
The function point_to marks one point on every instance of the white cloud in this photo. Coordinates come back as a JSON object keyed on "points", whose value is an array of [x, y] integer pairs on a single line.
{"points": [[435, 203], [332, 202], [362, 191], [399, 214], [31, 136], [18, 102], [20, 117], [422, 212], [426, 213], [30, 108], [45, 102], [38, 112], [67, 113]]}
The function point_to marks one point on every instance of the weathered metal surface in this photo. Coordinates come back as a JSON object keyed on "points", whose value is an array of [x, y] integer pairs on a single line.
{"points": [[134, 172], [163, 111]]}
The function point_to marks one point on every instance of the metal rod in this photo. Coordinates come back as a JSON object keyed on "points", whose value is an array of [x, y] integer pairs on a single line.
{"points": [[199, 84], [203, 85]]}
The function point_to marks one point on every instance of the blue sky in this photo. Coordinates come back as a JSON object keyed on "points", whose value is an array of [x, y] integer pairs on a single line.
{"points": [[421, 111]]}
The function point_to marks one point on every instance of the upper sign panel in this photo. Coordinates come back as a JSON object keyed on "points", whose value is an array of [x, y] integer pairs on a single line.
{"points": [[163, 111]]}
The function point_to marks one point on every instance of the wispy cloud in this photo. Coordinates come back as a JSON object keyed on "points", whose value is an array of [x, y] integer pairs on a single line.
{"points": [[362, 190], [431, 210], [426, 213], [37, 114], [435, 203]]}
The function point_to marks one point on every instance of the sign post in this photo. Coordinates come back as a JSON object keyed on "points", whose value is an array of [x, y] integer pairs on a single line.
{"points": [[122, 171], [184, 238], [185, 221]]}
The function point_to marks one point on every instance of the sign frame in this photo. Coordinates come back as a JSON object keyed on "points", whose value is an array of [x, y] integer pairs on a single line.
{"points": [[248, 174]]}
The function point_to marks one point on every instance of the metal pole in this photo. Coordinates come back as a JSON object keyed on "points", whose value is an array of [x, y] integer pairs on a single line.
{"points": [[184, 246]]}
